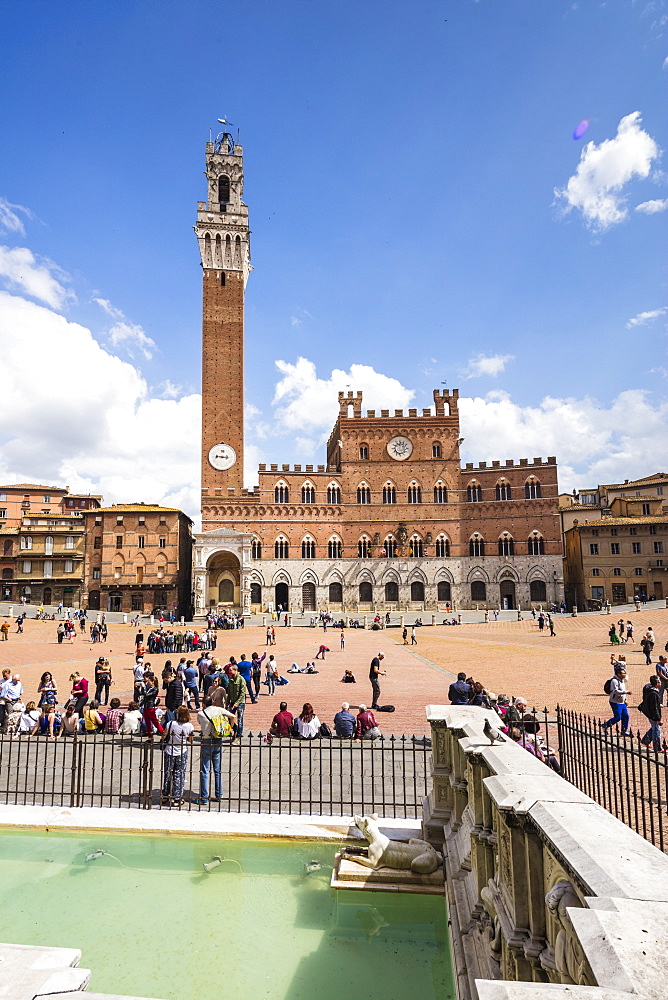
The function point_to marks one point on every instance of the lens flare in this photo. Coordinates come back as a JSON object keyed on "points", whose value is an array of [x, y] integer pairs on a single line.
{"points": [[581, 129]]}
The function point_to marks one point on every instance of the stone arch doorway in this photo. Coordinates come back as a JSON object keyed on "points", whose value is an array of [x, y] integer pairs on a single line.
{"points": [[507, 594], [308, 596], [224, 580], [282, 596], [46, 597]]}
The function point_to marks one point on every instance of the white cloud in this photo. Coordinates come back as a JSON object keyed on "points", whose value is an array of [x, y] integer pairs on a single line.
{"points": [[124, 334], [9, 219], [38, 277], [490, 365], [310, 405], [646, 317], [595, 188], [593, 443], [652, 207], [87, 419]]}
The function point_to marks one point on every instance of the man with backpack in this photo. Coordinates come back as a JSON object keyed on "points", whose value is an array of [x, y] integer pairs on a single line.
{"points": [[615, 688], [651, 709], [214, 724]]}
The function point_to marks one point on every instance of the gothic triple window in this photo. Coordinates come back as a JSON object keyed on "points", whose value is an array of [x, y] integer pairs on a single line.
{"points": [[440, 492], [334, 493], [308, 548], [256, 549], [389, 493], [390, 547], [281, 493], [506, 545], [536, 545], [281, 548], [503, 490], [532, 489], [334, 548], [308, 493], [415, 547], [364, 547], [476, 545], [442, 547], [474, 492], [414, 493], [363, 494]]}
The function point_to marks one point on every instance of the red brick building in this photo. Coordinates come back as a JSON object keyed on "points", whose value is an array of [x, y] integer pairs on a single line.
{"points": [[390, 519]]}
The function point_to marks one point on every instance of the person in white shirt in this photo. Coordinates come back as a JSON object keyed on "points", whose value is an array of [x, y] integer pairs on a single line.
{"points": [[131, 724], [308, 723], [138, 672], [211, 749], [618, 695], [29, 719]]}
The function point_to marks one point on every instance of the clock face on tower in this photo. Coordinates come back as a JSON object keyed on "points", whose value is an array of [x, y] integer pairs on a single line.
{"points": [[222, 457], [400, 448]]}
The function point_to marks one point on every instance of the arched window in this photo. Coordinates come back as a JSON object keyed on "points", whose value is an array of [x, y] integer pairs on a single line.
{"points": [[506, 545], [440, 493], [364, 451], [223, 189], [364, 547], [538, 591], [256, 549], [363, 493], [503, 490], [48, 545], [335, 593], [414, 493], [308, 548], [532, 489], [478, 591], [334, 493], [415, 548], [444, 590], [207, 249], [474, 492], [8, 548], [334, 548], [366, 592], [390, 547], [436, 449], [222, 278], [442, 546], [255, 593], [281, 548], [536, 545], [308, 493], [476, 545], [389, 493], [417, 590], [281, 492]]}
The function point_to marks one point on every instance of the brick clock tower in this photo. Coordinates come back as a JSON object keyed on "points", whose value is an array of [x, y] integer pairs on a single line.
{"points": [[224, 242]]}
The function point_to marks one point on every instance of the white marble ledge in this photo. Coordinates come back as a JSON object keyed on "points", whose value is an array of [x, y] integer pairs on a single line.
{"points": [[457, 716], [520, 792], [200, 824], [625, 947], [610, 858], [505, 758], [490, 990]]}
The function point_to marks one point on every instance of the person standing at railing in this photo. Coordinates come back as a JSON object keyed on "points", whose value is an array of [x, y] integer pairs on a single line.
{"points": [[618, 693], [236, 698], [213, 728], [651, 709], [176, 736], [150, 699]]}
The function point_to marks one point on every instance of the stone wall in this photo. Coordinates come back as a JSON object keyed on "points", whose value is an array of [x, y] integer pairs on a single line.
{"points": [[544, 887]]}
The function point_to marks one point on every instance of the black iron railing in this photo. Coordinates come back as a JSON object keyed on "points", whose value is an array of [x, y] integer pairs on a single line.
{"points": [[321, 777]]}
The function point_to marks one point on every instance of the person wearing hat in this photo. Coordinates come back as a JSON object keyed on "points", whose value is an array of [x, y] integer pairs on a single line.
{"points": [[102, 680], [374, 673], [618, 694]]}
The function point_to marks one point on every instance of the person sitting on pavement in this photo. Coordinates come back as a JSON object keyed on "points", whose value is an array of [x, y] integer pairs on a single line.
{"points": [[307, 723], [366, 727], [348, 677], [132, 719], [282, 723], [459, 691], [344, 722], [114, 717]]}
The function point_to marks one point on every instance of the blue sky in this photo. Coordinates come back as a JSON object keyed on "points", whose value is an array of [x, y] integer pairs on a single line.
{"points": [[419, 210]]}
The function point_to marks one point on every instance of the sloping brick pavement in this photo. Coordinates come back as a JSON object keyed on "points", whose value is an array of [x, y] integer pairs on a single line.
{"points": [[513, 657]]}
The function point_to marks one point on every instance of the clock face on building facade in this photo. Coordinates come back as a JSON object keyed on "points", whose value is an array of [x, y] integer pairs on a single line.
{"points": [[222, 457], [399, 448]]}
